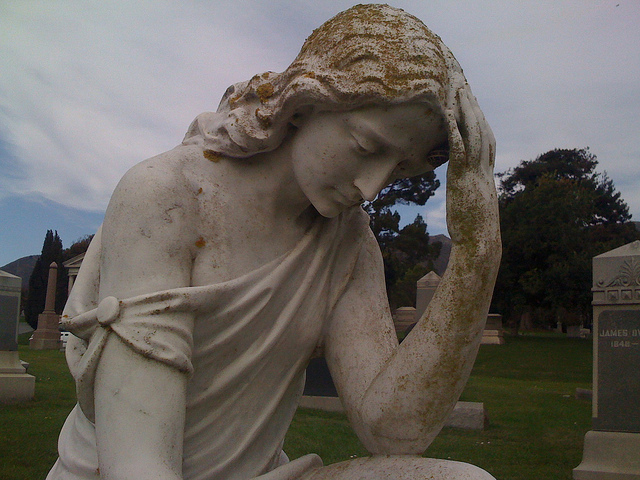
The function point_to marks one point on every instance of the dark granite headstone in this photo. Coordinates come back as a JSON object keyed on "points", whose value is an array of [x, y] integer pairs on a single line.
{"points": [[319, 381], [9, 310], [8, 325], [612, 446], [618, 371]]}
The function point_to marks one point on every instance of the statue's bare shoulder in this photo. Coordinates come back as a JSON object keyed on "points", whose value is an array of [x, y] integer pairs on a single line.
{"points": [[150, 226]]}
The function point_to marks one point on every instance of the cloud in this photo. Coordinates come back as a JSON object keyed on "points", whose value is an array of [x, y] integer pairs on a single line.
{"points": [[90, 89]]}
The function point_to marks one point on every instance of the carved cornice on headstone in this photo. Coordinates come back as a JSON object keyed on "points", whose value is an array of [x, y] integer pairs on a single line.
{"points": [[617, 276]]}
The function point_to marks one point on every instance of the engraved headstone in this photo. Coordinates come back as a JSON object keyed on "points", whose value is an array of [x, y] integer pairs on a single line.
{"points": [[15, 384], [618, 407], [612, 447]]}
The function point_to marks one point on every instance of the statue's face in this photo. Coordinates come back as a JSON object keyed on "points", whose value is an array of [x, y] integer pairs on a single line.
{"points": [[342, 158]]}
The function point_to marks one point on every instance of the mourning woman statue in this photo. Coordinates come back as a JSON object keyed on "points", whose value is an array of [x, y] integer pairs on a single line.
{"points": [[227, 263]]}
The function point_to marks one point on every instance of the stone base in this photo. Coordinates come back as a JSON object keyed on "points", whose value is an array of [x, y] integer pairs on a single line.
{"points": [[16, 388], [609, 456], [44, 343], [10, 363], [469, 416], [492, 337], [47, 335]]}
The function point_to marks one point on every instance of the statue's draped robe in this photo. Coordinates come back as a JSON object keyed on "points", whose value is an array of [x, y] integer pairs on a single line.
{"points": [[245, 344]]}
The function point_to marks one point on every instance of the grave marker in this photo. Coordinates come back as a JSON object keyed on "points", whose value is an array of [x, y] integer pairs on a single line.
{"points": [[612, 447], [15, 384]]}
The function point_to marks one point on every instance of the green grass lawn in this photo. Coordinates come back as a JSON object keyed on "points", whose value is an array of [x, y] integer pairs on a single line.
{"points": [[536, 424]]}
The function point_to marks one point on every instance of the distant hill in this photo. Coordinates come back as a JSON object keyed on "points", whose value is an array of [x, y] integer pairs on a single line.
{"points": [[22, 268], [440, 264]]}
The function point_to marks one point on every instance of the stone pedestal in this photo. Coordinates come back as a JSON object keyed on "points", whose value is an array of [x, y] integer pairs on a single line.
{"points": [[493, 333], [609, 456], [15, 384], [404, 318], [612, 448], [47, 335]]}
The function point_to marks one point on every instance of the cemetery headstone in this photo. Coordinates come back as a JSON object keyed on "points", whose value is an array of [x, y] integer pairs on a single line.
{"points": [[612, 447], [47, 335], [426, 288], [15, 384], [493, 333]]}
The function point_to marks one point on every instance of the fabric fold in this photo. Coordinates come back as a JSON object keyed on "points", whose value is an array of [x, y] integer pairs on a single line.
{"points": [[245, 344]]}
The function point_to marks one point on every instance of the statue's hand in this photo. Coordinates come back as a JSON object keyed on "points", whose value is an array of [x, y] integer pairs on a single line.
{"points": [[471, 196], [471, 139]]}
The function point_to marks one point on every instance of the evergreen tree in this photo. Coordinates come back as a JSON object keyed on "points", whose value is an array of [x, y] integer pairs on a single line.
{"points": [[406, 252], [556, 213], [35, 302]]}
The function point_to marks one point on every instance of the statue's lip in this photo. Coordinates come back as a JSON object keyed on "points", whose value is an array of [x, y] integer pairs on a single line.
{"points": [[349, 200]]}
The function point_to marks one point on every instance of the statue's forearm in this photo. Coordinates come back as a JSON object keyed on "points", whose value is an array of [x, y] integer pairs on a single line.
{"points": [[408, 402]]}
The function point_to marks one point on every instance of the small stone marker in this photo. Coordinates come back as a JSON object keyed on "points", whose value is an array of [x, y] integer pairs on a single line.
{"points": [[612, 447], [15, 384], [493, 333], [47, 335], [426, 288]]}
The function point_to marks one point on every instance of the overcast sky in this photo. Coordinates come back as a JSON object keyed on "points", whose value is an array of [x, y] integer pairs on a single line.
{"points": [[88, 89]]}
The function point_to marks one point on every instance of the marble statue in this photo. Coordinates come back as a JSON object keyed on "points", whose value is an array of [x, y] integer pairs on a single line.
{"points": [[225, 264]]}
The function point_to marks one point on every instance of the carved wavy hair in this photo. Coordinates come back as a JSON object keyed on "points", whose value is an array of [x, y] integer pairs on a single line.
{"points": [[367, 55]]}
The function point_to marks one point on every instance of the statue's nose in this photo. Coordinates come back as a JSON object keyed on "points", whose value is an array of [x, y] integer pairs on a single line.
{"points": [[374, 180]]}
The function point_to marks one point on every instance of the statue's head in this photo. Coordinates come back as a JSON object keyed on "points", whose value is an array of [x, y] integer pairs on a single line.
{"points": [[369, 55]]}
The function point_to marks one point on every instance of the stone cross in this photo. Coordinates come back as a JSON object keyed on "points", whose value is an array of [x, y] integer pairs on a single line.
{"points": [[47, 335], [612, 447]]}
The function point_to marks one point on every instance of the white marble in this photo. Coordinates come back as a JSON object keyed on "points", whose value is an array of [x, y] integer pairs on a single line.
{"points": [[226, 263]]}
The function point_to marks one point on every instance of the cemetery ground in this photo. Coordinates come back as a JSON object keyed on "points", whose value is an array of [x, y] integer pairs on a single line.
{"points": [[536, 424]]}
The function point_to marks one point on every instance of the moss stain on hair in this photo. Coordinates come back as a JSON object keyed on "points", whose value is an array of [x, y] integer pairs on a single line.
{"points": [[265, 91], [211, 155]]}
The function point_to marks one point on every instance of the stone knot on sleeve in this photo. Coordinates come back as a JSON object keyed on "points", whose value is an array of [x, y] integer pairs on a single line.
{"points": [[108, 311]]}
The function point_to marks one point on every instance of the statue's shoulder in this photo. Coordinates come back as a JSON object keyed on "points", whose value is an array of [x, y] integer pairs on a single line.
{"points": [[159, 182], [162, 174]]}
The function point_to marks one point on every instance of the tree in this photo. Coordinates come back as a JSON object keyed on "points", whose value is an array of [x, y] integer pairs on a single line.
{"points": [[406, 252], [556, 213], [35, 301], [78, 247]]}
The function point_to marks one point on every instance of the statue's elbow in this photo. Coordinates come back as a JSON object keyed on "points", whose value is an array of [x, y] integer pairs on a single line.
{"points": [[395, 433]]}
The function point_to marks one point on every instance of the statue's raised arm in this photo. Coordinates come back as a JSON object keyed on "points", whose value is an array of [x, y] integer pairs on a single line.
{"points": [[226, 263]]}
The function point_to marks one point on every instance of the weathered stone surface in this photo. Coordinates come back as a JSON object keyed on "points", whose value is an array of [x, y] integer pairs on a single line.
{"points": [[224, 265]]}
